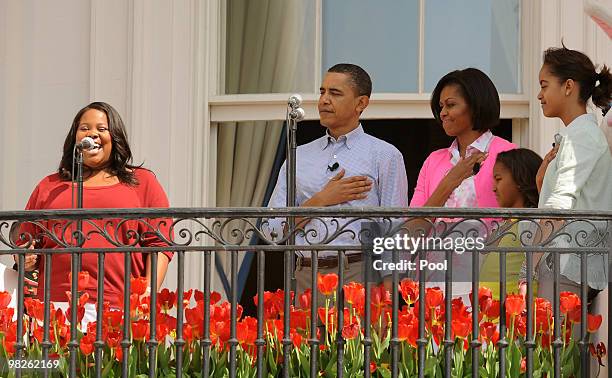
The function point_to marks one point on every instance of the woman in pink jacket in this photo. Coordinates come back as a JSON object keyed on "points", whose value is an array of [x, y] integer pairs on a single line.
{"points": [[466, 104]]}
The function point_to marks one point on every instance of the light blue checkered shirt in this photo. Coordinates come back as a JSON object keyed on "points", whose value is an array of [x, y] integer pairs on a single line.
{"points": [[359, 154]]}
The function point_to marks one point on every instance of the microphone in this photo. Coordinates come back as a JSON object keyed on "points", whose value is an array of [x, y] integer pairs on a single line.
{"points": [[476, 168], [333, 167], [558, 139], [294, 101], [297, 114], [86, 144]]}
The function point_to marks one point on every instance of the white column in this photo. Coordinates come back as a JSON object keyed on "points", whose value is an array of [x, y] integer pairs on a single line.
{"points": [[168, 117], [109, 64], [550, 22]]}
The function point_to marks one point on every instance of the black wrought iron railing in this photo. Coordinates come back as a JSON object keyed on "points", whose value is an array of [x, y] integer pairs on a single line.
{"points": [[220, 352]]}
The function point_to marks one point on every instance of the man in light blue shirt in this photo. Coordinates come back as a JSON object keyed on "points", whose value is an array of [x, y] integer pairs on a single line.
{"points": [[345, 167]]}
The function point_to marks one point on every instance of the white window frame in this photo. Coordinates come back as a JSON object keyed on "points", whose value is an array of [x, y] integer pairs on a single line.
{"points": [[271, 106]]}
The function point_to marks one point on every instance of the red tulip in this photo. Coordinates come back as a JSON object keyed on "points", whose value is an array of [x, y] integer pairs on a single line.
{"points": [[136, 303], [305, 299], [331, 318], [296, 338], [438, 333], [327, 283], [6, 317], [36, 308], [487, 331], [63, 332], [484, 298], [461, 328], [222, 312], [86, 346], [166, 299], [354, 294], [5, 299], [138, 285], [459, 310], [193, 316], [593, 322], [351, 331], [273, 303], [118, 353], [140, 329], [38, 333], [380, 299], [187, 297], [515, 304], [373, 367], [543, 315], [433, 297], [409, 290], [113, 338], [162, 331], [59, 317], [220, 332], [520, 324], [170, 321], [215, 297], [299, 318], [246, 331], [188, 333], [492, 311], [575, 314], [8, 342], [568, 302], [408, 332], [80, 313], [113, 319]]}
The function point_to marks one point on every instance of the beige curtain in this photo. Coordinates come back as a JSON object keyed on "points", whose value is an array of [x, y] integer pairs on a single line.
{"points": [[263, 46], [263, 40]]}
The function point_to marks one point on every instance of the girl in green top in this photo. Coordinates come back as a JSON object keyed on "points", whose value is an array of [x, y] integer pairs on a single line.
{"points": [[514, 185]]}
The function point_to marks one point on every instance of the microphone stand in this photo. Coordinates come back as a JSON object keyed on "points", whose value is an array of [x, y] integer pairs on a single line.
{"points": [[294, 115], [79, 180], [291, 173], [76, 260]]}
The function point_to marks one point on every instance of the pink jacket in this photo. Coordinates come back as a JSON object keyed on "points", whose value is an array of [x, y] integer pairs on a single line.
{"points": [[438, 164]]}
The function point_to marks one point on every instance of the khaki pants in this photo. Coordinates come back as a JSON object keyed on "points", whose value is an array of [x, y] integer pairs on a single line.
{"points": [[303, 275]]}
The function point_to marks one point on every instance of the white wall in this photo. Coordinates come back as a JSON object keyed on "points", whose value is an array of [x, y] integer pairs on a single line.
{"points": [[45, 76], [147, 58]]}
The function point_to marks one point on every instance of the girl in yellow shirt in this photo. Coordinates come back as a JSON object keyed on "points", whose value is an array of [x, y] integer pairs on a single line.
{"points": [[514, 185]]}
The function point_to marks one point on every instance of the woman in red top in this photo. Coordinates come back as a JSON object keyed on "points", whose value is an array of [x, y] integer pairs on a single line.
{"points": [[109, 181]]}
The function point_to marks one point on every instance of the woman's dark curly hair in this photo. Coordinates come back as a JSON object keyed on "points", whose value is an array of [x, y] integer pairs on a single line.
{"points": [[120, 163], [523, 165]]}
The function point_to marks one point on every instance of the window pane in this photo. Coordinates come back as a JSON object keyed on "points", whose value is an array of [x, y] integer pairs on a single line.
{"points": [[270, 46], [382, 37], [475, 33]]}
